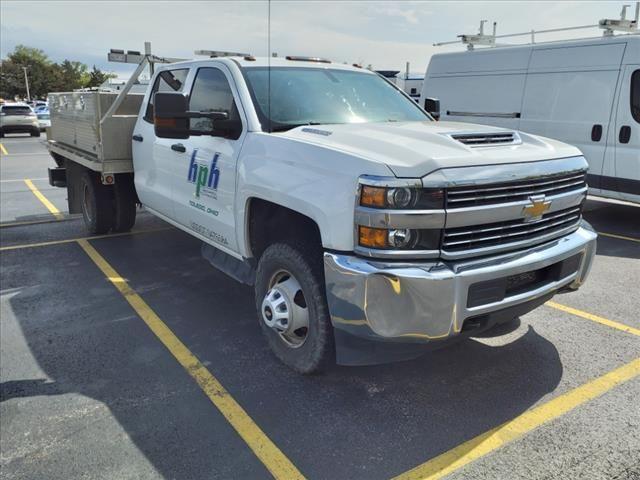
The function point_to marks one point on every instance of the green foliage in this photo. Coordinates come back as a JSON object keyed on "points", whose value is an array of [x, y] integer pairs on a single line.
{"points": [[44, 75]]}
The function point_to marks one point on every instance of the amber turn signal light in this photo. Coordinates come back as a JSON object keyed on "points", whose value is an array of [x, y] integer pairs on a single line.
{"points": [[373, 196], [372, 237]]}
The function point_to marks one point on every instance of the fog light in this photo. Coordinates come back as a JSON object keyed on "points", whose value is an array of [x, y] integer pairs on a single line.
{"points": [[401, 238]]}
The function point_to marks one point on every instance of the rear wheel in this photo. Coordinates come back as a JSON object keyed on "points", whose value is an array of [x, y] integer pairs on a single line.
{"points": [[124, 204], [292, 307], [97, 206]]}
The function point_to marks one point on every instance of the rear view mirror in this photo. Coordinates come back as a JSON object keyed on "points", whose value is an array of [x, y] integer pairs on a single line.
{"points": [[170, 118], [432, 106]]}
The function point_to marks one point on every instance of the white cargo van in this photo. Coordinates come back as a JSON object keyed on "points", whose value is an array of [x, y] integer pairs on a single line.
{"points": [[583, 92]]}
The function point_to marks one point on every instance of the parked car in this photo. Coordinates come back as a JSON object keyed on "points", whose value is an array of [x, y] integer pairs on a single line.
{"points": [[18, 118], [583, 92], [35, 104], [44, 118], [368, 230]]}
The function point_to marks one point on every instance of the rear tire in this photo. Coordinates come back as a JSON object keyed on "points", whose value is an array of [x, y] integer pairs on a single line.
{"points": [[97, 204], [1, 133], [315, 351], [124, 204]]}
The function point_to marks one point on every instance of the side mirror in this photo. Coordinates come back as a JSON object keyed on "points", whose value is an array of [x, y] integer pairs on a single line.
{"points": [[170, 119], [432, 105]]}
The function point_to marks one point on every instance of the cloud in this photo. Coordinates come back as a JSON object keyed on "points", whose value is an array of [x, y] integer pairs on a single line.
{"points": [[384, 34], [409, 15]]}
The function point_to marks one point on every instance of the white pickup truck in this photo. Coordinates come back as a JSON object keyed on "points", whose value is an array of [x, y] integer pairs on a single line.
{"points": [[370, 231]]}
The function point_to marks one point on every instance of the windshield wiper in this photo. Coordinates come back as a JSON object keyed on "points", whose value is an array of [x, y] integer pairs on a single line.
{"points": [[288, 126]]}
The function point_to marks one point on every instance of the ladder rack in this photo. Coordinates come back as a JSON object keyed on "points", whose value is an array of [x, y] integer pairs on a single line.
{"points": [[610, 26]]}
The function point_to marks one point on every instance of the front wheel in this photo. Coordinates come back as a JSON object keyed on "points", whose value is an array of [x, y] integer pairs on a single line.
{"points": [[292, 307]]}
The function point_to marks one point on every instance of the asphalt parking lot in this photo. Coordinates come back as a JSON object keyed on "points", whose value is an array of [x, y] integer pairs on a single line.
{"points": [[128, 356]]}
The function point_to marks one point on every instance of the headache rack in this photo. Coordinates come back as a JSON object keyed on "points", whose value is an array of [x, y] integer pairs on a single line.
{"points": [[94, 128]]}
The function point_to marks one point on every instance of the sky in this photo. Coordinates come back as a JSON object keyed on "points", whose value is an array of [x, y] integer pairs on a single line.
{"points": [[384, 34]]}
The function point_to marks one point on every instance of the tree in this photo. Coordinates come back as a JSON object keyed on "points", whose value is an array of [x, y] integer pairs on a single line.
{"points": [[44, 75], [97, 77], [37, 64]]}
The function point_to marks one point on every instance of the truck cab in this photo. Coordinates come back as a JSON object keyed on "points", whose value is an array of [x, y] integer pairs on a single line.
{"points": [[369, 231]]}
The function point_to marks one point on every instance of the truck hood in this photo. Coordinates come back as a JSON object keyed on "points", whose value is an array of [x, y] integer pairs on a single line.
{"points": [[415, 149]]}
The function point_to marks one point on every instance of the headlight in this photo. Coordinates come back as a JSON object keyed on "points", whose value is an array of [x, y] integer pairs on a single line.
{"points": [[401, 198], [399, 238]]}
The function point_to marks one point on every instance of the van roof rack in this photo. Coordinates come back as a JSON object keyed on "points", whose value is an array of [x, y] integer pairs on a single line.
{"points": [[219, 53], [298, 58], [610, 26]]}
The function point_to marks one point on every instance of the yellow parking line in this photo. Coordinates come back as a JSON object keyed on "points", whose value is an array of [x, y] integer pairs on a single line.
{"points": [[50, 206], [3, 150], [71, 240], [594, 318], [619, 237], [490, 441], [268, 453]]}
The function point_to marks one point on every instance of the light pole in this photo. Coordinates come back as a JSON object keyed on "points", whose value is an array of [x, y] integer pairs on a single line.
{"points": [[26, 82]]}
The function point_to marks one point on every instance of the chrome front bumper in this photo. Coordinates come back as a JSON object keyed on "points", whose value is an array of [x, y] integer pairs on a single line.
{"points": [[413, 302]]}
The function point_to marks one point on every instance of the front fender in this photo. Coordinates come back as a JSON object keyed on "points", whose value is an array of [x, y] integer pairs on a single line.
{"points": [[314, 181]]}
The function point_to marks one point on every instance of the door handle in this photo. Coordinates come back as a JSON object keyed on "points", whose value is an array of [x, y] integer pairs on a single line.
{"points": [[137, 138], [178, 147], [625, 134], [596, 133]]}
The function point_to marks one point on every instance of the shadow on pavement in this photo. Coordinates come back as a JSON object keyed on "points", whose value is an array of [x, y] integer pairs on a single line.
{"points": [[366, 422]]}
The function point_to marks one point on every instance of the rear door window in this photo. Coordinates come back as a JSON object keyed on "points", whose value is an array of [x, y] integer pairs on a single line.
{"points": [[16, 110], [166, 81], [635, 95]]}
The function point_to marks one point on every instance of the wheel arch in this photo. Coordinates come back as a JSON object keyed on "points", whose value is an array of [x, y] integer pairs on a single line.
{"points": [[267, 222]]}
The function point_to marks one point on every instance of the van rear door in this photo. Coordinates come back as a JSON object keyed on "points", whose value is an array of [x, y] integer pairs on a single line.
{"points": [[627, 136]]}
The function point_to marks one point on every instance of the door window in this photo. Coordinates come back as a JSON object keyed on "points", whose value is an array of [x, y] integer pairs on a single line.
{"points": [[166, 81], [211, 93], [635, 95]]}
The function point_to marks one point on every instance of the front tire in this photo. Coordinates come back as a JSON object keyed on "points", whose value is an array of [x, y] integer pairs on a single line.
{"points": [[292, 307], [97, 206], [35, 133]]}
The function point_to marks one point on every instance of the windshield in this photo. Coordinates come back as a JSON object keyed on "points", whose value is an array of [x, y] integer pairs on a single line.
{"points": [[312, 96]]}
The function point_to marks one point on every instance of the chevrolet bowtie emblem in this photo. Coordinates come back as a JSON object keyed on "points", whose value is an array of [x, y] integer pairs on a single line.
{"points": [[536, 208]]}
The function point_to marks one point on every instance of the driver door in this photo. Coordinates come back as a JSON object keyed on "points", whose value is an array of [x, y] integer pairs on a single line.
{"points": [[205, 177]]}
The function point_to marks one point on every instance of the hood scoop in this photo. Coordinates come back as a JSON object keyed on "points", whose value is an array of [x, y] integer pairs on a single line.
{"points": [[486, 139]]}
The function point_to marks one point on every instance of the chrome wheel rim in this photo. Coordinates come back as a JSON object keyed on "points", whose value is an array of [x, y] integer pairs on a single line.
{"points": [[284, 309]]}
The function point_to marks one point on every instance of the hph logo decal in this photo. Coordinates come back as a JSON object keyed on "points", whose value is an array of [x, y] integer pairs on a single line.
{"points": [[205, 177]]}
